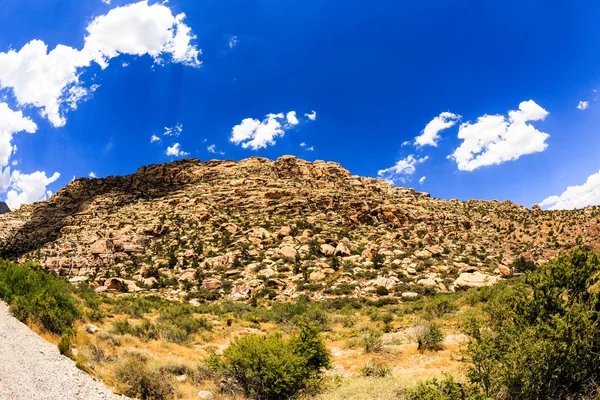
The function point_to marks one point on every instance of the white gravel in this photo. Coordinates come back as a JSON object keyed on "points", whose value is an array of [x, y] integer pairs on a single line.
{"points": [[33, 369]]}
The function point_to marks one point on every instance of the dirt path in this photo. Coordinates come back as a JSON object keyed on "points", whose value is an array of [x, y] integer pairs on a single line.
{"points": [[33, 369]]}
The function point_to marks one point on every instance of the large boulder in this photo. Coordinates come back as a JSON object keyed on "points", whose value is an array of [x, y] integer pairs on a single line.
{"points": [[474, 279], [327, 249], [288, 252], [342, 250]]}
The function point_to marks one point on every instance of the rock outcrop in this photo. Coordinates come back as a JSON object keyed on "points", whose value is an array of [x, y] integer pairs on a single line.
{"points": [[4, 208]]}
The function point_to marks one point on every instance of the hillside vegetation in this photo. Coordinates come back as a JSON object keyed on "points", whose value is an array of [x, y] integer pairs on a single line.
{"points": [[532, 336]]}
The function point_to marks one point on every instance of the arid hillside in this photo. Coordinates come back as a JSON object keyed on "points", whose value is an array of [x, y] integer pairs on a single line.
{"points": [[259, 228]]}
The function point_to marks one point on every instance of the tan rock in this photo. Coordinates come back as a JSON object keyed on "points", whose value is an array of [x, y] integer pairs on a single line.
{"points": [[342, 250], [327, 249], [474, 279], [211, 284], [288, 252]]}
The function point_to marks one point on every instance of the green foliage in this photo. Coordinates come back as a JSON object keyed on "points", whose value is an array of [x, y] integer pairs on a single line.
{"points": [[65, 345], [269, 367], [37, 296], [429, 336], [523, 264], [375, 370], [438, 306], [138, 380], [293, 313], [540, 339], [372, 342], [444, 389], [382, 291], [175, 323]]}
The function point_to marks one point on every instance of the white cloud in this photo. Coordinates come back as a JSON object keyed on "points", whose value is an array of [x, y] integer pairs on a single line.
{"points": [[583, 105], [402, 170], [233, 41], [29, 188], [154, 138], [422, 180], [174, 131], [23, 188], [302, 144], [291, 118], [92, 175], [495, 139], [50, 80], [175, 151], [106, 1], [255, 134], [580, 196], [11, 122], [312, 116], [311, 148], [430, 135], [213, 149]]}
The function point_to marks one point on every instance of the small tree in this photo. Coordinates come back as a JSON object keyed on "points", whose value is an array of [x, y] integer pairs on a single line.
{"points": [[269, 367]]}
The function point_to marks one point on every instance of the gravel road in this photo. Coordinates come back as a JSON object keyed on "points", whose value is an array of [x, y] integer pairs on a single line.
{"points": [[33, 369]]}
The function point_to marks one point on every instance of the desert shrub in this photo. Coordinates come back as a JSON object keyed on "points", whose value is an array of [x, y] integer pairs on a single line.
{"points": [[442, 389], [65, 344], [136, 307], [540, 339], [122, 327], [438, 306], [37, 296], [295, 312], [523, 264], [382, 291], [387, 320], [372, 342], [269, 367], [137, 379], [177, 323], [375, 370], [429, 336]]}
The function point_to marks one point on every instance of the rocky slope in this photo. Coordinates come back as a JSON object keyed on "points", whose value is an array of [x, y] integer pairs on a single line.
{"points": [[263, 228], [4, 208]]}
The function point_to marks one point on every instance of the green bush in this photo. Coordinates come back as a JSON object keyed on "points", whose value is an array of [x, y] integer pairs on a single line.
{"points": [[438, 306], [65, 345], [523, 264], [138, 380], [382, 291], [375, 370], [269, 367], [540, 339], [372, 342], [429, 336], [37, 296], [177, 323], [444, 389]]}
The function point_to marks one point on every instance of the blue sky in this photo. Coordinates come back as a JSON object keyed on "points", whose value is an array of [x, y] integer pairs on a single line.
{"points": [[375, 73]]}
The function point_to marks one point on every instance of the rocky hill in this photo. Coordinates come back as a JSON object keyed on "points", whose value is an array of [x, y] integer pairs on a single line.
{"points": [[263, 228], [4, 208]]}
